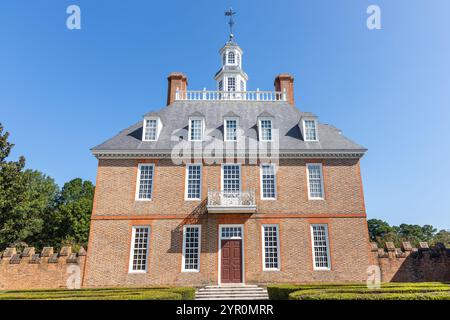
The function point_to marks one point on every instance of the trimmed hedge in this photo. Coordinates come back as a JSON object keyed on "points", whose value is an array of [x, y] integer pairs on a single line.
{"points": [[181, 293], [388, 291]]}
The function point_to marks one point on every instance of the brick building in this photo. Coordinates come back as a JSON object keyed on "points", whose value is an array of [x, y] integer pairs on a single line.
{"points": [[228, 186]]}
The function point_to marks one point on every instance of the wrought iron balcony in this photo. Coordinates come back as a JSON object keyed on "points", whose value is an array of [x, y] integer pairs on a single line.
{"points": [[231, 201], [199, 95]]}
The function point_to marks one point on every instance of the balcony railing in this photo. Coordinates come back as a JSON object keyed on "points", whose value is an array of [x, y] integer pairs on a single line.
{"points": [[204, 95], [231, 201]]}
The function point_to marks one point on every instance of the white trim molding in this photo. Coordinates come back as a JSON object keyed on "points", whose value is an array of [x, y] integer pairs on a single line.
{"points": [[186, 182], [273, 165], [133, 238], [138, 180], [183, 263], [242, 238], [321, 181], [328, 268], [263, 238]]}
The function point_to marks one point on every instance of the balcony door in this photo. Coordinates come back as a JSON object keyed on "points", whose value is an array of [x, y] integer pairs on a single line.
{"points": [[231, 184]]}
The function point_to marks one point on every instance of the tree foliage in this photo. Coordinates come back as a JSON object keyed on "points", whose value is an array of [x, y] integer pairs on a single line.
{"points": [[34, 211], [381, 232]]}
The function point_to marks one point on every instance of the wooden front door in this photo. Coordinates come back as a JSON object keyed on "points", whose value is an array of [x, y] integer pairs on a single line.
{"points": [[231, 261]]}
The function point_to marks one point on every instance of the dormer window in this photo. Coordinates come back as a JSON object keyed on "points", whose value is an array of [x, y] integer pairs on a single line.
{"points": [[310, 130], [152, 128], [196, 129], [265, 129], [230, 126], [231, 58]]}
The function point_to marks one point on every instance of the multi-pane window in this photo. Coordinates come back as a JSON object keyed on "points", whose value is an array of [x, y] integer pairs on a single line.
{"points": [[139, 249], [224, 59], [242, 85], [266, 130], [271, 247], [196, 130], [231, 179], [231, 129], [231, 232], [193, 181], [151, 129], [145, 181], [315, 180], [268, 181], [220, 85], [231, 84], [231, 58], [310, 130], [321, 251], [191, 248]]}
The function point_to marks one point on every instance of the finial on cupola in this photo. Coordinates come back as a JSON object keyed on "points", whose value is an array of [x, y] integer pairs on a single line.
{"points": [[230, 13]]}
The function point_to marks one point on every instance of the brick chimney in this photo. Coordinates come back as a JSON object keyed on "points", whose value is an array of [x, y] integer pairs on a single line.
{"points": [[176, 80], [285, 82]]}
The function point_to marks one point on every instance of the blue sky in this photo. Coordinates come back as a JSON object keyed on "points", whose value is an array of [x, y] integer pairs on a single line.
{"points": [[64, 91]]}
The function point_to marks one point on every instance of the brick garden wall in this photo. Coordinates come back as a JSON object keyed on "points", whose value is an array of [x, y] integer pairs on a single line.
{"points": [[47, 270], [408, 264]]}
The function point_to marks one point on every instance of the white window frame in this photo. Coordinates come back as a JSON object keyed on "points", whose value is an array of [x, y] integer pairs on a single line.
{"points": [[138, 181], [264, 247], [229, 62], [328, 247], [202, 128], [187, 181], [133, 238], [183, 266], [228, 84], [315, 128], [260, 129], [261, 181], [225, 130], [223, 176], [321, 181], [158, 128]]}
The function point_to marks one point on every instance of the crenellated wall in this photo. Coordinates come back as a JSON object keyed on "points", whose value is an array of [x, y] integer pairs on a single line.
{"points": [[45, 270], [408, 264], [65, 269]]}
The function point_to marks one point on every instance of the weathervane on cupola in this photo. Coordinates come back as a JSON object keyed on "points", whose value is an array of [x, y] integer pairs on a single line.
{"points": [[231, 77], [230, 13]]}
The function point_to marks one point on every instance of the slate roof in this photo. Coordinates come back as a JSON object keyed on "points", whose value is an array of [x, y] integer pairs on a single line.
{"points": [[175, 125]]}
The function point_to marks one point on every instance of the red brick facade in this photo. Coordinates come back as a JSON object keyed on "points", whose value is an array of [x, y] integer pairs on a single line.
{"points": [[116, 211]]}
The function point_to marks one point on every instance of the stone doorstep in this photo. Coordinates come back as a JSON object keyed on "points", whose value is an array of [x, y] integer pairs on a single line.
{"points": [[232, 292], [249, 290]]}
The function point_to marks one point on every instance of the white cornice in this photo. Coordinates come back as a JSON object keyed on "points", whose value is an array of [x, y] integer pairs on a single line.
{"points": [[291, 154]]}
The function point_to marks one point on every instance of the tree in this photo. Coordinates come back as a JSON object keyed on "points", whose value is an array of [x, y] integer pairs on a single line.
{"points": [[378, 228], [12, 191], [443, 236], [28, 216], [70, 222], [415, 233]]}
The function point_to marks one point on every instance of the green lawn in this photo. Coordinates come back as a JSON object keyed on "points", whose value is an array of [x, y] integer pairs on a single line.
{"points": [[166, 293], [388, 291]]}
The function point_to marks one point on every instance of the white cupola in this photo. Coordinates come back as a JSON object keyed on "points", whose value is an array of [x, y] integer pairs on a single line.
{"points": [[231, 77]]}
